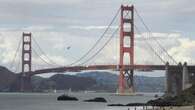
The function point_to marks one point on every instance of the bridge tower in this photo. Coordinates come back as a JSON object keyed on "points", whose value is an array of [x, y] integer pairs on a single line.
{"points": [[26, 63], [126, 84]]}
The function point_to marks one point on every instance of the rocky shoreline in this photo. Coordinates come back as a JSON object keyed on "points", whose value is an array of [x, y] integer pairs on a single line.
{"points": [[186, 98]]}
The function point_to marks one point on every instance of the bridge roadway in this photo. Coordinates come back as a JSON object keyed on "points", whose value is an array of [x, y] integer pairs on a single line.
{"points": [[191, 68]]}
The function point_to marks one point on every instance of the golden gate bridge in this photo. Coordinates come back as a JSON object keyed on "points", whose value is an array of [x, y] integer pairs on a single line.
{"points": [[176, 73]]}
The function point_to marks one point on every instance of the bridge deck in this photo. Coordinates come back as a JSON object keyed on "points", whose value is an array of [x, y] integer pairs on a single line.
{"points": [[106, 67]]}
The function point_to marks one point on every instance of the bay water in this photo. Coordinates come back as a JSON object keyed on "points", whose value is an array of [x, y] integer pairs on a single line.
{"points": [[48, 101]]}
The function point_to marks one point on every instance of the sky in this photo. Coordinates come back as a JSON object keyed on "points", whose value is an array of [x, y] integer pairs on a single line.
{"points": [[66, 29]]}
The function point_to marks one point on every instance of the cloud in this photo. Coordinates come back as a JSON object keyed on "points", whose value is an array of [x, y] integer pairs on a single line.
{"points": [[185, 51], [178, 46], [45, 1], [54, 45], [37, 28], [110, 55], [92, 27], [57, 24], [162, 16]]}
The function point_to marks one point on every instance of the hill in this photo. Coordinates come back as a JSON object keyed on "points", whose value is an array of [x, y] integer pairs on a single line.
{"points": [[95, 81], [7, 79], [62, 82], [109, 81], [9, 82]]}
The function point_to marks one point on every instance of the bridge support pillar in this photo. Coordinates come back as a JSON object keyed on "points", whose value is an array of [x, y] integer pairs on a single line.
{"points": [[126, 35], [186, 77], [178, 79], [26, 63], [129, 81], [168, 80], [173, 80], [26, 84]]}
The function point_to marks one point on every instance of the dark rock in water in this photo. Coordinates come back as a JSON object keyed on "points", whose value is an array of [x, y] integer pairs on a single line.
{"points": [[130, 104], [97, 99], [136, 104], [66, 98], [116, 105]]}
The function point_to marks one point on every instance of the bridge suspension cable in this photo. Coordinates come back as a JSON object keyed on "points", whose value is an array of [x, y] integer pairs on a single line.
{"points": [[49, 59], [148, 44], [45, 61], [112, 35], [18, 66], [154, 38], [15, 54], [97, 42], [106, 43]]}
